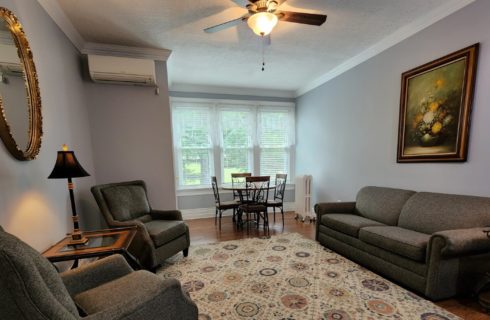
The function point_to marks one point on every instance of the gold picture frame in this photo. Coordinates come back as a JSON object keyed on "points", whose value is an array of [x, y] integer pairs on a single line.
{"points": [[435, 107], [32, 94]]}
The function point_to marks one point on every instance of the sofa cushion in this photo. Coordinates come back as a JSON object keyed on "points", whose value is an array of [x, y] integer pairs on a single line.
{"points": [[404, 242], [347, 223], [382, 204], [163, 231], [137, 286], [126, 202], [431, 212]]}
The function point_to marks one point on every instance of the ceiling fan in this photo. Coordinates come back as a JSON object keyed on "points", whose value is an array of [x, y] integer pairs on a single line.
{"points": [[263, 15]]}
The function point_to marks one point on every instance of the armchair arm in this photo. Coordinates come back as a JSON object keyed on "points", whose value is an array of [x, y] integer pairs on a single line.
{"points": [[95, 274], [462, 241], [166, 215], [168, 303], [334, 207]]}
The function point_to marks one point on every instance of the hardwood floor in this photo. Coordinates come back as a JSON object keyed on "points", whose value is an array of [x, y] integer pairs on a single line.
{"points": [[204, 231]]}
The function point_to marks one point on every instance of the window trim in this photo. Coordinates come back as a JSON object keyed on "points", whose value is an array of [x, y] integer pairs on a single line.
{"points": [[229, 103]]}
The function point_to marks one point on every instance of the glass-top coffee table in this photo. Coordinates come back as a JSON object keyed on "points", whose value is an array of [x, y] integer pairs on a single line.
{"points": [[100, 243]]}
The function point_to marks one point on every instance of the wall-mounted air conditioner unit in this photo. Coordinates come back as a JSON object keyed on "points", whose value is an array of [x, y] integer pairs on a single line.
{"points": [[121, 70]]}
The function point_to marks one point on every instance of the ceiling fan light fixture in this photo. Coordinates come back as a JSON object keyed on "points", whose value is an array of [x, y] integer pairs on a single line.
{"points": [[262, 23]]}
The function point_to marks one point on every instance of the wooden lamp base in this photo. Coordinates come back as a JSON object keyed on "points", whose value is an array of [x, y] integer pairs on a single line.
{"points": [[77, 238]]}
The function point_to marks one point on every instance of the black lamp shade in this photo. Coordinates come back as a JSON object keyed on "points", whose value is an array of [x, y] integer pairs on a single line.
{"points": [[67, 166]]}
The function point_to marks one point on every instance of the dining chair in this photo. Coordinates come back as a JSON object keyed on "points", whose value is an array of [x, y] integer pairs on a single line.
{"points": [[238, 178], [254, 201], [278, 200], [221, 206]]}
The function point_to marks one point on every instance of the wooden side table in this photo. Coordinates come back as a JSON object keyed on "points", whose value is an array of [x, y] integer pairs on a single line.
{"points": [[101, 243]]}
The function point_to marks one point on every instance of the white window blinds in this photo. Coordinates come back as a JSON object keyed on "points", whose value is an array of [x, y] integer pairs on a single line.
{"points": [[193, 145], [236, 141], [276, 134], [220, 138]]}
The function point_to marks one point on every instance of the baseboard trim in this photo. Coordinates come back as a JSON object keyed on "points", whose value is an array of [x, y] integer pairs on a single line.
{"points": [[202, 213]]}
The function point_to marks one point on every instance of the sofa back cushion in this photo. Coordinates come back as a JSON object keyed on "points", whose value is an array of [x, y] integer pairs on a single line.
{"points": [[382, 204], [126, 202], [431, 212]]}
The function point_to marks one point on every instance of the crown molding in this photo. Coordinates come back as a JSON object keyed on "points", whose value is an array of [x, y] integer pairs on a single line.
{"points": [[125, 51], [56, 13], [54, 10], [396, 37]]}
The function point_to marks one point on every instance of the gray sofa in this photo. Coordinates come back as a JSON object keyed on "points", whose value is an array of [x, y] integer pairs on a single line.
{"points": [[31, 288], [431, 243]]}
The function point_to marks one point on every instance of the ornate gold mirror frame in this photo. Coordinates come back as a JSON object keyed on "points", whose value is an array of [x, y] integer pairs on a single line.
{"points": [[33, 95]]}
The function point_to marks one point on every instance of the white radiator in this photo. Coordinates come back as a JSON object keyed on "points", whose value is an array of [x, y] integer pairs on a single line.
{"points": [[303, 198]]}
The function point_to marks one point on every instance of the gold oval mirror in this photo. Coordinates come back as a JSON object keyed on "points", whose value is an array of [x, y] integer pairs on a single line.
{"points": [[20, 101]]}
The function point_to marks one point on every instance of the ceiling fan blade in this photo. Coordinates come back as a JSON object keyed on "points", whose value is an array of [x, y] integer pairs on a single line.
{"points": [[241, 3], [279, 2], [226, 25], [300, 17]]}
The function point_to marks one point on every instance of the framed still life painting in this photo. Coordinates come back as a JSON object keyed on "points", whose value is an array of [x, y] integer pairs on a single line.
{"points": [[435, 108]]}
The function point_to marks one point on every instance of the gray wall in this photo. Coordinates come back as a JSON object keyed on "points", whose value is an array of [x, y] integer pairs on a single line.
{"points": [[132, 136], [347, 128], [32, 207]]}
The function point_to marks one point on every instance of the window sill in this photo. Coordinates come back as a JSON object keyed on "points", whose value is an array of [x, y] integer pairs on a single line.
{"points": [[209, 191]]}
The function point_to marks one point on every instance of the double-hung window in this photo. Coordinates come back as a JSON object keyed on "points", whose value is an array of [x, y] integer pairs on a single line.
{"points": [[193, 145], [275, 139], [236, 127], [222, 137]]}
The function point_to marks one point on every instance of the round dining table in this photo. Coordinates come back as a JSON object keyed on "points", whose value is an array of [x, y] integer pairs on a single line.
{"points": [[241, 188]]}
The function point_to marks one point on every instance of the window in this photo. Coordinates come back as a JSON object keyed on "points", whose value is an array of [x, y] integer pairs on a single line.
{"points": [[236, 142], [193, 146], [222, 137], [275, 140]]}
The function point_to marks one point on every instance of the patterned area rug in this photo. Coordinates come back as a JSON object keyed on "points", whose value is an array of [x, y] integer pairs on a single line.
{"points": [[289, 277]]}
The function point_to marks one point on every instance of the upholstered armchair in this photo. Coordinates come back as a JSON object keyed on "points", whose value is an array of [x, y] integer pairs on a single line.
{"points": [[108, 289], [160, 235]]}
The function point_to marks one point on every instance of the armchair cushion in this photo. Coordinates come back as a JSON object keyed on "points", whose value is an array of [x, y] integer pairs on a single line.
{"points": [[96, 273], [30, 285], [463, 241], [136, 286], [404, 242], [164, 231], [347, 223], [126, 202]]}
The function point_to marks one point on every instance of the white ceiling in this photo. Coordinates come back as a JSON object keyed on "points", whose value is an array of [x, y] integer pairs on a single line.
{"points": [[298, 55]]}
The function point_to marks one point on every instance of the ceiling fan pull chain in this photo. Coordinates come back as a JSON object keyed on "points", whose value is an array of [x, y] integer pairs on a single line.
{"points": [[263, 53]]}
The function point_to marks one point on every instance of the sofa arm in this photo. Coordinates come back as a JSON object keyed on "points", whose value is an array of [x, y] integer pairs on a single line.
{"points": [[95, 274], [168, 303], [334, 207], [166, 215], [463, 241]]}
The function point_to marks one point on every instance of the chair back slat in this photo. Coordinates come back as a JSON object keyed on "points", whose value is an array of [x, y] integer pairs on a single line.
{"points": [[257, 189], [214, 183], [281, 179], [238, 178]]}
